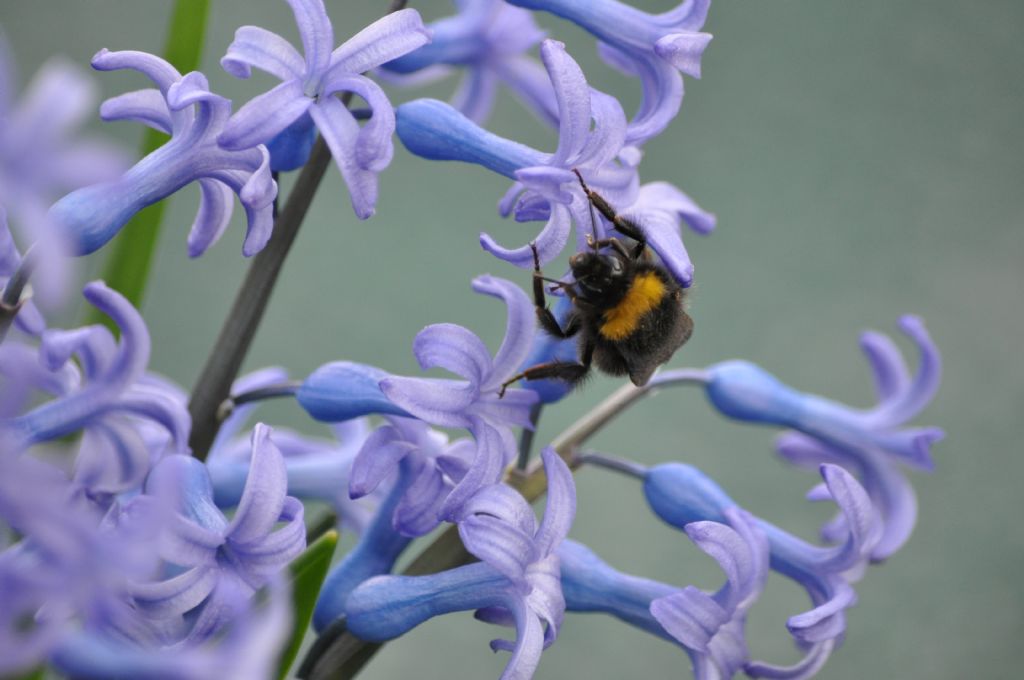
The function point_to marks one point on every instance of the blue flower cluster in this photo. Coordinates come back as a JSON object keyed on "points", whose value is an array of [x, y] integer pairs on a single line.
{"points": [[126, 554]]}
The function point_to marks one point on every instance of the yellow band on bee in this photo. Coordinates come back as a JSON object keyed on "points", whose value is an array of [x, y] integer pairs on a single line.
{"points": [[645, 293]]}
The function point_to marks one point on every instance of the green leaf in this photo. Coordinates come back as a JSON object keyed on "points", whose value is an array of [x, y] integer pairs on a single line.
{"points": [[131, 254], [37, 673], [308, 573]]}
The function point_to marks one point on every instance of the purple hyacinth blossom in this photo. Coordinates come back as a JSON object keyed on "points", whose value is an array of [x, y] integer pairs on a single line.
{"points": [[114, 401], [416, 513], [184, 108], [412, 455], [473, 403], [249, 650], [711, 627], [653, 47], [68, 570], [317, 468], [40, 158], [517, 581], [310, 84], [680, 494], [221, 558], [591, 140], [871, 443], [489, 39]]}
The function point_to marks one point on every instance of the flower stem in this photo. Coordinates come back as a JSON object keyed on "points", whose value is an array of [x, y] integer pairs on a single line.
{"points": [[339, 655], [240, 326], [526, 438]]}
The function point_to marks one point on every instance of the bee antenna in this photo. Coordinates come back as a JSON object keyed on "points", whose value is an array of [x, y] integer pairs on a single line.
{"points": [[590, 205]]}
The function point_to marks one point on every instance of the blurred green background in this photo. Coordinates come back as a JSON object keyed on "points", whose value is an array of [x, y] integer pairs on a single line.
{"points": [[865, 160]]}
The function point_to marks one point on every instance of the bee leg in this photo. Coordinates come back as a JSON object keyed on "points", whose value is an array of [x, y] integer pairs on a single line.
{"points": [[622, 225], [567, 371], [547, 320], [609, 242]]}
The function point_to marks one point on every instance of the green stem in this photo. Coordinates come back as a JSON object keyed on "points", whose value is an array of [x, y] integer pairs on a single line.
{"points": [[236, 335]]}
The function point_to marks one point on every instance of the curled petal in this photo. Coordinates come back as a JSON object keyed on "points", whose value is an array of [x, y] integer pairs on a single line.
{"points": [[683, 50], [550, 242], [341, 132], [373, 145], [265, 490], [887, 366], [504, 503], [315, 31], [156, 69], [920, 392], [176, 595], [259, 48], [519, 327], [561, 505], [216, 202], [453, 348], [143, 106], [528, 646], [271, 553], [378, 457], [573, 96], [263, 117], [133, 350], [499, 544], [387, 38]]}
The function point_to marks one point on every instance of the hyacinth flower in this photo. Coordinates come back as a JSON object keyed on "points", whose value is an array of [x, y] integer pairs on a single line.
{"points": [[680, 494], [68, 571], [871, 443], [414, 456], [114, 400], [343, 390], [185, 109], [710, 627], [249, 649], [308, 91], [220, 558], [592, 128], [516, 582], [489, 40], [40, 157], [653, 47], [317, 468]]}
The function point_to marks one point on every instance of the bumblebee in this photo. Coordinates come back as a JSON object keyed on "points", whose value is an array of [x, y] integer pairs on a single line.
{"points": [[628, 311]]}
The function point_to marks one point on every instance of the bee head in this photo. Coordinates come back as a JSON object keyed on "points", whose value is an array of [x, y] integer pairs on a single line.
{"points": [[599, 274]]}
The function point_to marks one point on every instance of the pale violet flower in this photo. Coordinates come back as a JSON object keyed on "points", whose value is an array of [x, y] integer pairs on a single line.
{"points": [[516, 583], [872, 443], [216, 559], [114, 398], [489, 40], [310, 84], [343, 390], [183, 107], [652, 47], [680, 494], [592, 129]]}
